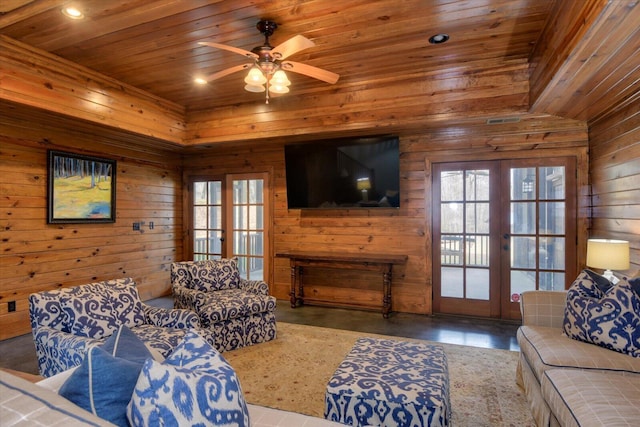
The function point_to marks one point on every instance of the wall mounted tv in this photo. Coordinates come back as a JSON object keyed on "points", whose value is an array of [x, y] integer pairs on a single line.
{"points": [[361, 172]]}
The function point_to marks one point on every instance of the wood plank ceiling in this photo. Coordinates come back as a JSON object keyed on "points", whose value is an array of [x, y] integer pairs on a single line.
{"points": [[153, 44]]}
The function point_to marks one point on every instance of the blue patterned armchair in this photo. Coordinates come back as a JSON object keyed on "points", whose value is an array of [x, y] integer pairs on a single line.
{"points": [[237, 312], [67, 322]]}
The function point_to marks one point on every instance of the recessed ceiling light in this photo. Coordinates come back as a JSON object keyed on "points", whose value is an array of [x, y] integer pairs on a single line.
{"points": [[72, 12], [438, 38], [200, 81]]}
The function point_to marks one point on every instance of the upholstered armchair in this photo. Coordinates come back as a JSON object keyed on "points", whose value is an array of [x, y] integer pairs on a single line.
{"points": [[67, 322], [237, 312]]}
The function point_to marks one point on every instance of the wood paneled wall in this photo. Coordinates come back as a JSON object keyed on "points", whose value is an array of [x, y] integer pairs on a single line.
{"points": [[407, 231], [614, 152], [37, 256]]}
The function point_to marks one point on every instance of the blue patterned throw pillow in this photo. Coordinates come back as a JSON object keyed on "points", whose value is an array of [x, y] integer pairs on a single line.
{"points": [[105, 380], [610, 318], [194, 386]]}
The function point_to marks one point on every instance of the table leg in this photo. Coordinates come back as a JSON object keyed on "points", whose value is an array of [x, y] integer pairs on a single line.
{"points": [[292, 292], [386, 292], [300, 286]]}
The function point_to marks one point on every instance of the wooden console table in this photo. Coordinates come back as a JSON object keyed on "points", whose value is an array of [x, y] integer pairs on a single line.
{"points": [[372, 262]]}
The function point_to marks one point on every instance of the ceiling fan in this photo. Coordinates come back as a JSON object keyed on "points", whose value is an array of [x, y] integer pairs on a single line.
{"points": [[269, 63]]}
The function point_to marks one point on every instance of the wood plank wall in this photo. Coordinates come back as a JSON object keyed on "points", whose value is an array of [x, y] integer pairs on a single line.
{"points": [[614, 152], [37, 256], [405, 232]]}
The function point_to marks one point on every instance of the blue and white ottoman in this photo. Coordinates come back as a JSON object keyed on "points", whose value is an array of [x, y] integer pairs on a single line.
{"points": [[390, 383]]}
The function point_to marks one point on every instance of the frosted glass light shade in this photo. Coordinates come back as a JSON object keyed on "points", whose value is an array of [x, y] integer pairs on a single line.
{"points": [[255, 77], [280, 78], [608, 254], [278, 89], [254, 88]]}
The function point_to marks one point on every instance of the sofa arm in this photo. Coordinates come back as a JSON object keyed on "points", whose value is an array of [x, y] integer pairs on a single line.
{"points": [[58, 351], [543, 308], [171, 317], [255, 286]]}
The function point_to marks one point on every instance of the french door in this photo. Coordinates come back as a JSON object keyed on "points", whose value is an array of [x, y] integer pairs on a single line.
{"points": [[228, 219], [500, 228]]}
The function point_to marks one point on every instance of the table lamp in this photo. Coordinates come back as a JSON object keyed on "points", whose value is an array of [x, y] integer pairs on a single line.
{"points": [[363, 184], [608, 255]]}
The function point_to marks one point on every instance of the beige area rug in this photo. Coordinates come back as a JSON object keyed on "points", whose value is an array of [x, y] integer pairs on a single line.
{"points": [[292, 371]]}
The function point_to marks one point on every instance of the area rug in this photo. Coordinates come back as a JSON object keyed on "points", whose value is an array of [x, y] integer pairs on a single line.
{"points": [[292, 371]]}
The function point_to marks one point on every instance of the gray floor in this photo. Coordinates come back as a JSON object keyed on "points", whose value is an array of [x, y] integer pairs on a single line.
{"points": [[18, 353]]}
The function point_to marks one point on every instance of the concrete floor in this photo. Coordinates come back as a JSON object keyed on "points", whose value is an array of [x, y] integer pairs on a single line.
{"points": [[19, 354]]}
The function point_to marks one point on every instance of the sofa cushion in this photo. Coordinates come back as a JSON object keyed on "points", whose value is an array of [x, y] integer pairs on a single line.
{"points": [[214, 274], [23, 403], [194, 386], [97, 310], [231, 304], [590, 398], [546, 348], [609, 318]]}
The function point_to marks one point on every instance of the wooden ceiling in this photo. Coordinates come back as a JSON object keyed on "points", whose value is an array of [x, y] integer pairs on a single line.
{"points": [[153, 44], [581, 57]]}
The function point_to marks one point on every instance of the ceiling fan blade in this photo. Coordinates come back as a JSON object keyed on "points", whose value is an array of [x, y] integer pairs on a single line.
{"points": [[311, 71], [227, 71], [230, 49], [293, 45]]}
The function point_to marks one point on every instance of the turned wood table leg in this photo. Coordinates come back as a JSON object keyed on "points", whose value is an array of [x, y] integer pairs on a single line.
{"points": [[386, 292], [292, 292], [300, 286]]}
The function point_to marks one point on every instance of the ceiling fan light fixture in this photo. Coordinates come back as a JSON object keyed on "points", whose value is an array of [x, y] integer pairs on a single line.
{"points": [[255, 77], [276, 88], [254, 88], [279, 78]]}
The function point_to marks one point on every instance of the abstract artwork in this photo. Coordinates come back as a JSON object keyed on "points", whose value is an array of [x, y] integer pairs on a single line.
{"points": [[80, 188]]}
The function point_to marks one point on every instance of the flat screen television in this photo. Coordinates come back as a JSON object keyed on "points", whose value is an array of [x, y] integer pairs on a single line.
{"points": [[361, 172]]}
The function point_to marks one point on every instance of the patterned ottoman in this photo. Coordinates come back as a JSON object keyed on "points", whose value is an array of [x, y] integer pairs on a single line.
{"points": [[390, 383]]}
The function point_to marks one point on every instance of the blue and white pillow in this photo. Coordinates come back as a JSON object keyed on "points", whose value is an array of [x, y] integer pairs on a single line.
{"points": [[194, 386], [105, 380], [610, 318]]}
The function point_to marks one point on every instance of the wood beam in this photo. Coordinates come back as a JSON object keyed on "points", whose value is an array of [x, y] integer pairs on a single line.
{"points": [[36, 78]]}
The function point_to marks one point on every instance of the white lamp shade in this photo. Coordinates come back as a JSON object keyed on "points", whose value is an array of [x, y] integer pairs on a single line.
{"points": [[608, 254], [278, 89], [280, 78], [254, 88], [255, 77]]}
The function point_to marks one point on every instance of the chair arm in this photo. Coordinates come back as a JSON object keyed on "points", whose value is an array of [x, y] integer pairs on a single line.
{"points": [[188, 299], [254, 286], [543, 308], [58, 351], [171, 317]]}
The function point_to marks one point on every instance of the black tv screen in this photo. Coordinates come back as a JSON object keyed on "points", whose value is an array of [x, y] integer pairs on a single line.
{"points": [[359, 172]]}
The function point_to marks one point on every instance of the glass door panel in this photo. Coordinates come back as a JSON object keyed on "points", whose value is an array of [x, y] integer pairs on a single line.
{"points": [[233, 204], [248, 231], [208, 234], [463, 232], [501, 228]]}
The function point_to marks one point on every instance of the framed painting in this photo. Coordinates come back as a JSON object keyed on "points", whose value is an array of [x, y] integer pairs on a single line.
{"points": [[80, 188]]}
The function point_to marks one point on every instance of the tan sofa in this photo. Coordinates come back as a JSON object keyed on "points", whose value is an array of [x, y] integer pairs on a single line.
{"points": [[569, 382]]}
